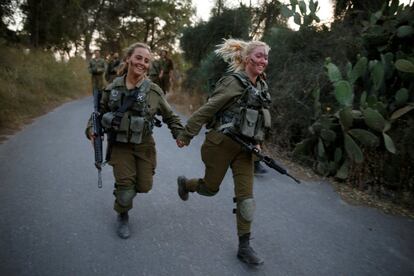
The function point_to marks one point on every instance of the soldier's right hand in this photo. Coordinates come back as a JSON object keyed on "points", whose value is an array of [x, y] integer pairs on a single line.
{"points": [[91, 137]]}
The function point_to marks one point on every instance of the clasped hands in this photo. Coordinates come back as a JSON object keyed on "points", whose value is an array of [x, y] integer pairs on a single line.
{"points": [[181, 144]]}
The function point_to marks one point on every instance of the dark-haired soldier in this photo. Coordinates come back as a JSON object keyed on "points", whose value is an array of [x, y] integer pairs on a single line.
{"points": [[97, 69]]}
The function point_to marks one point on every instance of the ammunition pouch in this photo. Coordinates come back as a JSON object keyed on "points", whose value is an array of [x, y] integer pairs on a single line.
{"points": [[107, 119], [127, 129], [137, 129], [263, 125], [248, 121]]}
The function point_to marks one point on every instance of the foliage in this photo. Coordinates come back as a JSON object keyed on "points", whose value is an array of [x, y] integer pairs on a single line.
{"points": [[31, 82], [296, 63], [306, 15], [71, 24], [158, 23], [6, 12], [266, 15], [374, 97], [199, 42], [356, 10]]}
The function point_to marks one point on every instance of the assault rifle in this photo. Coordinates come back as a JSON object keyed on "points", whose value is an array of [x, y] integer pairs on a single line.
{"points": [[271, 163], [97, 134]]}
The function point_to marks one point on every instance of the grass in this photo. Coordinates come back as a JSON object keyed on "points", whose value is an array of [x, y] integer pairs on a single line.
{"points": [[33, 82]]}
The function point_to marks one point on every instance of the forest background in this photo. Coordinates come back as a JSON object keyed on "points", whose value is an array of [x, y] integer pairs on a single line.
{"points": [[343, 93]]}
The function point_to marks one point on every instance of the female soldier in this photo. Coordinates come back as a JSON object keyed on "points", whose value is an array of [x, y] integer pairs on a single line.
{"points": [[239, 105], [129, 105]]}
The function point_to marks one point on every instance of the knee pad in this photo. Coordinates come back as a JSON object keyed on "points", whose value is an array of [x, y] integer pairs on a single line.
{"points": [[125, 197], [246, 208], [203, 190]]}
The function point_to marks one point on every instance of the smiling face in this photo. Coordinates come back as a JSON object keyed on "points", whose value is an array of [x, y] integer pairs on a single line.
{"points": [[256, 61], [139, 62]]}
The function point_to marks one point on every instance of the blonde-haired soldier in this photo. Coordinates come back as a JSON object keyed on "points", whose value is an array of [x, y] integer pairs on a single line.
{"points": [[240, 104]]}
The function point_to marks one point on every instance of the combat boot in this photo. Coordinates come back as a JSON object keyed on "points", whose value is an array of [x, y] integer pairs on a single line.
{"points": [[246, 253], [182, 190], [123, 227], [258, 168]]}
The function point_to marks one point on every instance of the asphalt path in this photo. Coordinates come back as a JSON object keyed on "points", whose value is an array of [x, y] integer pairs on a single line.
{"points": [[55, 221]]}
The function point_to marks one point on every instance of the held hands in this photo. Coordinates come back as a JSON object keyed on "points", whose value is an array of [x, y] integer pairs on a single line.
{"points": [[257, 148], [180, 143]]}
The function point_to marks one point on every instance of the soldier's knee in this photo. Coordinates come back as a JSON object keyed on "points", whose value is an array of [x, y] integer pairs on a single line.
{"points": [[144, 188], [143, 185], [202, 189], [125, 197], [246, 208]]}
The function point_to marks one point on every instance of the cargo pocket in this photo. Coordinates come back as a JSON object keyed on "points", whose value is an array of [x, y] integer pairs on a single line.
{"points": [[214, 137]]}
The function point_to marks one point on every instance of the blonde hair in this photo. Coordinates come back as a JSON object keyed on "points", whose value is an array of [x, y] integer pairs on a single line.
{"points": [[128, 52], [235, 51]]}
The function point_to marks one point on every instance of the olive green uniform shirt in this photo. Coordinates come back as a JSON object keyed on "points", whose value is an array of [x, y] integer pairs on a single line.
{"points": [[97, 68], [227, 91]]}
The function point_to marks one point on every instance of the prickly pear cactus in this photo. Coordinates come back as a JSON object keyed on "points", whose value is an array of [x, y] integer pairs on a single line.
{"points": [[374, 98]]}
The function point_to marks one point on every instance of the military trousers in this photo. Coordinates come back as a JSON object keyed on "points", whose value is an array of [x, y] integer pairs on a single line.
{"points": [[133, 168], [165, 83], [218, 153]]}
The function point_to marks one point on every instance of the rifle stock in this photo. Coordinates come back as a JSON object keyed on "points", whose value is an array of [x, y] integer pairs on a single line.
{"points": [[270, 162]]}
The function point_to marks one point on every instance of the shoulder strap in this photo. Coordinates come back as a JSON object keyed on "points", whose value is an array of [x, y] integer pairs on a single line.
{"points": [[143, 88], [241, 78]]}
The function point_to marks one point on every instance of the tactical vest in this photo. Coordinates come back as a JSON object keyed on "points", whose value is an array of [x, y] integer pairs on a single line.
{"points": [[97, 66], [248, 115], [136, 121]]}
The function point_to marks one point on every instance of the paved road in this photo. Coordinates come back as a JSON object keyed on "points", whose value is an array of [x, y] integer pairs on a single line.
{"points": [[55, 221]]}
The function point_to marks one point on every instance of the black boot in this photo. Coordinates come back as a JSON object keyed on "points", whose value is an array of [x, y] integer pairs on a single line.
{"points": [[182, 190], [246, 253], [123, 228], [258, 168]]}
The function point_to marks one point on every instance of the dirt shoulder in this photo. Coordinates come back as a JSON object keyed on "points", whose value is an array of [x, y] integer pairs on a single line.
{"points": [[349, 194]]}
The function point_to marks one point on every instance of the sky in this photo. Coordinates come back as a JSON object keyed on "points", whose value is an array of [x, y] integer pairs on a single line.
{"points": [[204, 6], [325, 9]]}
